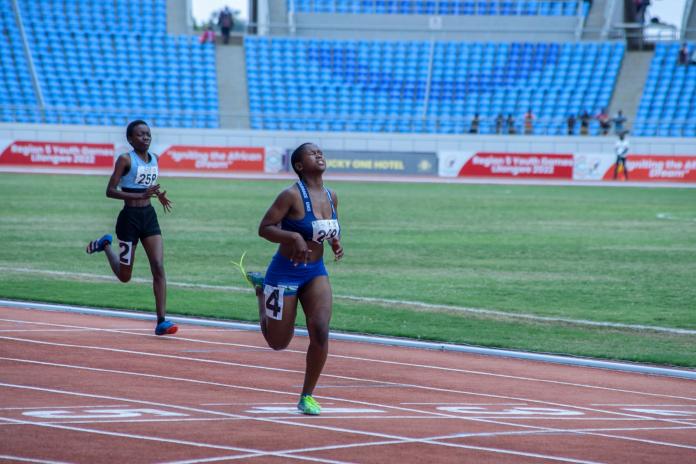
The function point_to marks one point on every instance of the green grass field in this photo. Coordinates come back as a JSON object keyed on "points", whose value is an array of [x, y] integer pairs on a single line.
{"points": [[621, 255]]}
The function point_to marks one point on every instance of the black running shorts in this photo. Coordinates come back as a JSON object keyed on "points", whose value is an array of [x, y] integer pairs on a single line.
{"points": [[137, 222]]}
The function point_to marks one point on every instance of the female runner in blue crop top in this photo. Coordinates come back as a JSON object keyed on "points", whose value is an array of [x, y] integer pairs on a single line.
{"points": [[300, 220], [134, 181]]}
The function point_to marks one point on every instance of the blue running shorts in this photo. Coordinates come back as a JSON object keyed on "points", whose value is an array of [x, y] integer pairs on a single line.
{"points": [[283, 273]]}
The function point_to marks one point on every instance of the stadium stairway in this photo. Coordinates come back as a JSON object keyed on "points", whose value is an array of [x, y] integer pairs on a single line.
{"points": [[690, 23], [630, 83], [232, 86], [595, 21], [177, 22]]}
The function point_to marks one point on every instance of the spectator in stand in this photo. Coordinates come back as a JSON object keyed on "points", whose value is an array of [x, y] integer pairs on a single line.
{"points": [[683, 54], [226, 23], [499, 123], [604, 121], [585, 123], [571, 124], [693, 57], [641, 9], [528, 122], [619, 120], [510, 121], [208, 35], [474, 128], [621, 150]]}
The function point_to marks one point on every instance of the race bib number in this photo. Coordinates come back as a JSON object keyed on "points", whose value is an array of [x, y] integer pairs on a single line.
{"points": [[125, 254], [146, 175], [273, 301], [324, 229]]}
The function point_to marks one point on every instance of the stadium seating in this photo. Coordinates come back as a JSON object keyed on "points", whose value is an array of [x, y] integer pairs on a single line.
{"points": [[126, 67], [349, 85], [17, 96], [668, 105], [442, 7]]}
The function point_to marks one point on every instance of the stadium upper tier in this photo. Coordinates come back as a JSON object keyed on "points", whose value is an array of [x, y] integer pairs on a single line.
{"points": [[423, 86], [443, 7], [668, 105], [125, 68], [15, 79], [97, 16]]}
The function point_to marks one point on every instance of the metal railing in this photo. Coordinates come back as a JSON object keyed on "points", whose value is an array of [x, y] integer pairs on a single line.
{"points": [[436, 7], [340, 121]]}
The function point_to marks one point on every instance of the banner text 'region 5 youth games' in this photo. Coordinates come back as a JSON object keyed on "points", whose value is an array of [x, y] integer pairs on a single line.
{"points": [[24, 153]]}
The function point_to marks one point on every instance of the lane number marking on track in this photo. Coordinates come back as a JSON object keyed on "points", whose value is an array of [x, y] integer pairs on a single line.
{"points": [[293, 410], [516, 411], [98, 413]]}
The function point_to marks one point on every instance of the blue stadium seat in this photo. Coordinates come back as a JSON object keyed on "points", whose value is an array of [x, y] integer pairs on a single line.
{"points": [[77, 68], [371, 78]]}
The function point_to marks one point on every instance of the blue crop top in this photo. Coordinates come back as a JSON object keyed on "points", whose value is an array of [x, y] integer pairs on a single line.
{"points": [[309, 226], [141, 175]]}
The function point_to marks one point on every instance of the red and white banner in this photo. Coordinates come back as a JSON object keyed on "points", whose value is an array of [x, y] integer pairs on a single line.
{"points": [[522, 165], [57, 154], [658, 168], [194, 158]]}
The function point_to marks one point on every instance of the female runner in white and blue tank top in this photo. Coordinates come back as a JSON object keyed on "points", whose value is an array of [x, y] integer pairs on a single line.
{"points": [[300, 220], [134, 181]]}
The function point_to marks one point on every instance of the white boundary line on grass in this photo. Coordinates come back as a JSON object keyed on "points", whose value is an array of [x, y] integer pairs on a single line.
{"points": [[345, 177], [380, 301], [583, 362]]}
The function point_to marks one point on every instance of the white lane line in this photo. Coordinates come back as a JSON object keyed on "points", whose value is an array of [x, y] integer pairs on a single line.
{"points": [[22, 459], [492, 421], [468, 404], [154, 439], [381, 301], [340, 336], [640, 405], [393, 439], [380, 361], [276, 369], [386, 341], [62, 407]]}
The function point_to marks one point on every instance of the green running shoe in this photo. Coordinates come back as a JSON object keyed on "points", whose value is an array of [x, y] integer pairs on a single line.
{"points": [[255, 279], [308, 405]]}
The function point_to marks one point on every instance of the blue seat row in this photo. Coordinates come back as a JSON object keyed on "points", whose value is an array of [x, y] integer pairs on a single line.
{"points": [[340, 80], [668, 104]]}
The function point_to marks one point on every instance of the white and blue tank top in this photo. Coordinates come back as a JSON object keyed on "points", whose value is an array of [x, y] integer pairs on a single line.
{"points": [[309, 226], [141, 175]]}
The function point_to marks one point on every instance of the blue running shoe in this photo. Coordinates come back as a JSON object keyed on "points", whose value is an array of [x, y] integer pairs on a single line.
{"points": [[98, 245], [255, 279], [166, 328]]}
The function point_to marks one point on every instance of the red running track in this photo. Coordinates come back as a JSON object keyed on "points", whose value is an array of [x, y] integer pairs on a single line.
{"points": [[85, 389]]}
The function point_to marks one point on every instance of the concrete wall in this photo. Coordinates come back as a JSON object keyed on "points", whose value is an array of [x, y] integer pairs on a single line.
{"points": [[179, 17], [420, 27], [352, 141]]}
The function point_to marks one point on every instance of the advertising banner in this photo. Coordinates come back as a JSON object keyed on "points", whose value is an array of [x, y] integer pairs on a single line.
{"points": [[657, 168], [592, 166], [522, 165], [193, 158], [29, 154], [386, 163]]}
